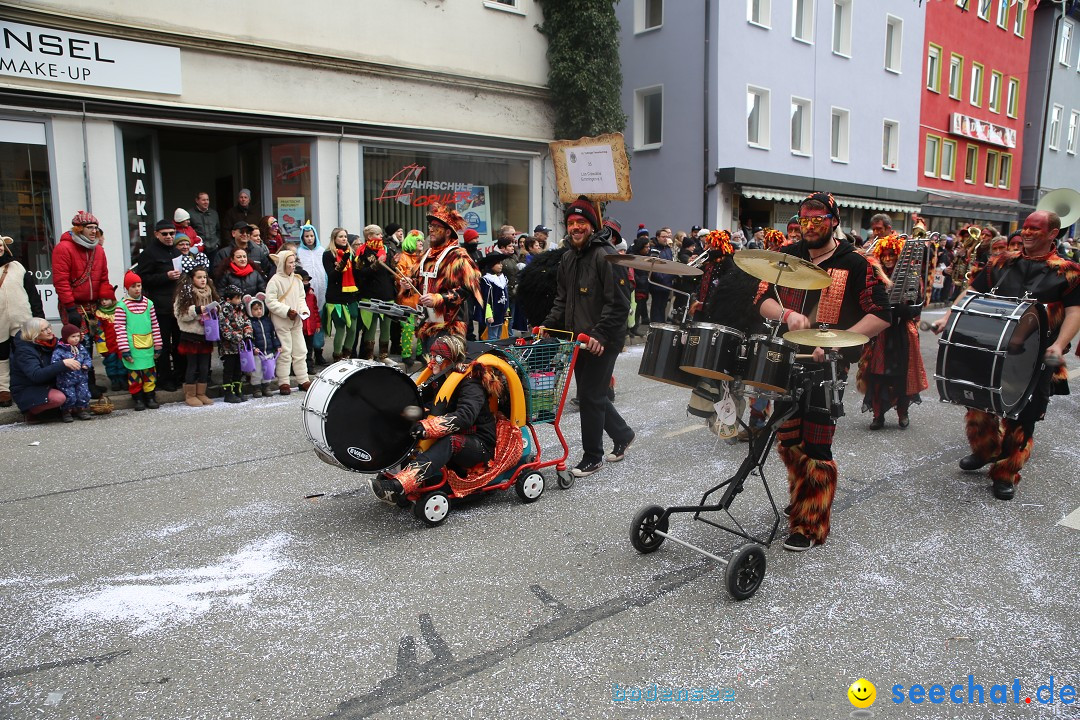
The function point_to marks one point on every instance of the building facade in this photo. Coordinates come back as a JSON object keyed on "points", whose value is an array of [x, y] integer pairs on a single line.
{"points": [[129, 110], [738, 115], [1053, 105], [975, 85]]}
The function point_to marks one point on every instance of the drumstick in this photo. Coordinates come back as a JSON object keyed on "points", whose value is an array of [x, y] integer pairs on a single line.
{"points": [[400, 276]]}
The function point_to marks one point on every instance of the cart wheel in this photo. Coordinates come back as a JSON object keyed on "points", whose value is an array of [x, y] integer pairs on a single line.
{"points": [[566, 479], [432, 508], [530, 487], [642, 536], [745, 571]]}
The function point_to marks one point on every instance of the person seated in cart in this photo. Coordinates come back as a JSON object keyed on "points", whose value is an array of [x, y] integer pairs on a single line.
{"points": [[463, 426]]}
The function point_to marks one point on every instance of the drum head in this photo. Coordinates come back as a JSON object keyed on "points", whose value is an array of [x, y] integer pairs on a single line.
{"points": [[364, 427], [1022, 362]]}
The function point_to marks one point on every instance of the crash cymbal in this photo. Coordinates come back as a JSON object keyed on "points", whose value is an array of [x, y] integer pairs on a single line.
{"points": [[653, 264], [826, 338], [782, 269]]}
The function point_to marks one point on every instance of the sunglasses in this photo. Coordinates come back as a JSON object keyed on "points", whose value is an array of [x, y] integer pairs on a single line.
{"points": [[167, 233], [816, 221]]}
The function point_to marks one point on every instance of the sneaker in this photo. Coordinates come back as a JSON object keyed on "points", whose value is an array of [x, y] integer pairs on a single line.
{"points": [[386, 488], [797, 542], [619, 451], [585, 469], [65, 416]]}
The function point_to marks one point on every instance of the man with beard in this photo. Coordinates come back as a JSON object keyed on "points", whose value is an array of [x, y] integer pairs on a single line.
{"points": [[856, 301]]}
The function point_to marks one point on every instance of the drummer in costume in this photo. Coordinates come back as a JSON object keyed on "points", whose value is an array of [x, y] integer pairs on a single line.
{"points": [[891, 372], [464, 426], [856, 301], [1039, 271], [444, 277]]}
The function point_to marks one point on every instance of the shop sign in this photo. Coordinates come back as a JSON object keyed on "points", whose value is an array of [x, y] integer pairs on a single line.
{"points": [[988, 132], [290, 214], [38, 53], [408, 189]]}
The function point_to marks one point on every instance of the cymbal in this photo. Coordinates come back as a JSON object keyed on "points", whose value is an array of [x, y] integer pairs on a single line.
{"points": [[782, 269], [826, 338], [653, 264]]}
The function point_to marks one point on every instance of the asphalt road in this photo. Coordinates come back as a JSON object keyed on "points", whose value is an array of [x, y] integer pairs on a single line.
{"points": [[203, 563]]}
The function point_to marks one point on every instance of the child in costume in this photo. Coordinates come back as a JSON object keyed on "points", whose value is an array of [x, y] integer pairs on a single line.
{"points": [[494, 290], [412, 249], [235, 329], [311, 321], [263, 337], [73, 383], [195, 297], [106, 345], [138, 340], [285, 301]]}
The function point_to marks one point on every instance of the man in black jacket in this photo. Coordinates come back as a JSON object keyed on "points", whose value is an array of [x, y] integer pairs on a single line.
{"points": [[594, 299], [159, 278]]}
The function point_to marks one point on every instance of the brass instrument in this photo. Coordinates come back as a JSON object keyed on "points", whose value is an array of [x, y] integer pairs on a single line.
{"points": [[974, 237], [1064, 202]]}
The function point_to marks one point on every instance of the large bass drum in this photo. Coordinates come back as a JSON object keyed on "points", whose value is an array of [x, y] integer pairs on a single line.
{"points": [[353, 415], [663, 355], [990, 355]]}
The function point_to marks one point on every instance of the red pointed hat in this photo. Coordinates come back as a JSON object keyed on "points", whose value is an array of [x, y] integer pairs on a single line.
{"points": [[447, 216]]}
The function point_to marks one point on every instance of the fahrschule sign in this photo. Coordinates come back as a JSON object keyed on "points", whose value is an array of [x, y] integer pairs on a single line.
{"points": [[38, 53]]}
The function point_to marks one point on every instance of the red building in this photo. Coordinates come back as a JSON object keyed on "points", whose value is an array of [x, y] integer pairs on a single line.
{"points": [[975, 69]]}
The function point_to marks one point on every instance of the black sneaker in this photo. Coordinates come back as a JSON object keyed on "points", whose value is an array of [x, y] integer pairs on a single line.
{"points": [[386, 488], [797, 542], [619, 451], [585, 469]]}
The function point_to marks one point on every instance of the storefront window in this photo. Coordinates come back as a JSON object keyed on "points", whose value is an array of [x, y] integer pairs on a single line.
{"points": [[489, 192], [140, 187], [26, 197], [290, 185]]}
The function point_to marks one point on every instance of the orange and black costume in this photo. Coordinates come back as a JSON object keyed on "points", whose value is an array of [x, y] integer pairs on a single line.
{"points": [[1051, 280]]}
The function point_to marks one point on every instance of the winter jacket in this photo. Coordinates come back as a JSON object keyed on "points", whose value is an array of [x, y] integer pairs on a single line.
{"points": [[311, 322], [19, 299], [154, 264], [33, 373], [208, 226], [250, 284], [594, 295], [263, 335], [235, 328], [80, 275], [73, 383], [373, 279], [334, 292], [259, 256]]}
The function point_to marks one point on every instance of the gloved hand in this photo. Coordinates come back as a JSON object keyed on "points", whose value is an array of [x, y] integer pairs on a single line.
{"points": [[74, 316], [417, 431]]}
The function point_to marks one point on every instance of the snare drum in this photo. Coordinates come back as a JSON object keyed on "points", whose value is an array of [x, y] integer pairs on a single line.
{"points": [[353, 415], [712, 351], [990, 355], [663, 353], [769, 361]]}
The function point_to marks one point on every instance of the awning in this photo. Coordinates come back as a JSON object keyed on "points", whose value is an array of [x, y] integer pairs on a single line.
{"points": [[842, 200], [960, 205]]}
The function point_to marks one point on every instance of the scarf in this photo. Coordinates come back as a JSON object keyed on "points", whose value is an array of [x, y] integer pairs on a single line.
{"points": [[82, 241], [241, 271], [50, 343], [378, 247], [348, 283]]}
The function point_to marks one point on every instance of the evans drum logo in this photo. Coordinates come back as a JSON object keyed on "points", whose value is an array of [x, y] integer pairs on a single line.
{"points": [[358, 454]]}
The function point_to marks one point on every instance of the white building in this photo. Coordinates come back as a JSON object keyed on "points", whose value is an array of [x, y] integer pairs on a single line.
{"points": [[128, 109]]}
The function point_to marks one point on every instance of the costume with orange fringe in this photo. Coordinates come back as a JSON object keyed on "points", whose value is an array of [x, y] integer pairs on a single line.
{"points": [[891, 371], [452, 278], [1054, 281]]}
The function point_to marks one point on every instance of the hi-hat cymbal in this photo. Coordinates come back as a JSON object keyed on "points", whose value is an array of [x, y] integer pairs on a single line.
{"points": [[653, 264], [826, 338], [782, 269]]}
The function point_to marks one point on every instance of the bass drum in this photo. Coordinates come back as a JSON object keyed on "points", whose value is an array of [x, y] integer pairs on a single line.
{"points": [[990, 355], [353, 415], [662, 356]]}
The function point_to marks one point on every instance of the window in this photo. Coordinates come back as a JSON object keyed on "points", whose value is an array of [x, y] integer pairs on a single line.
{"points": [[1065, 49], [648, 15], [991, 168], [509, 5], [932, 156], [757, 117], [758, 12], [984, 10], [1020, 19], [1004, 171], [648, 118], [890, 144], [1074, 121], [1013, 99], [1055, 126], [971, 165], [801, 129], [841, 31], [802, 21], [1003, 14], [933, 68], [894, 43], [948, 159], [956, 75], [838, 145], [976, 85], [994, 103], [26, 191]]}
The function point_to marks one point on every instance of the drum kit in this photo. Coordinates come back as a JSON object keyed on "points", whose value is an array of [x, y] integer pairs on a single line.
{"points": [[766, 365]]}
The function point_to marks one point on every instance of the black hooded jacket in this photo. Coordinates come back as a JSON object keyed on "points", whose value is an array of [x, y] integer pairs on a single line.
{"points": [[594, 295]]}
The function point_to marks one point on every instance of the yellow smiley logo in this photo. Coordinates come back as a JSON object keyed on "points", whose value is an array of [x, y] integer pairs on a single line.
{"points": [[862, 693]]}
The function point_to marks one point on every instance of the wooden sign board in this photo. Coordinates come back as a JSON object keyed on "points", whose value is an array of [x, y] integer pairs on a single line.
{"points": [[595, 167]]}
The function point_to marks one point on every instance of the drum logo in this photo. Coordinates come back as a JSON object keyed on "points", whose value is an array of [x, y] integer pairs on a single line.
{"points": [[774, 356], [694, 339], [358, 454]]}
